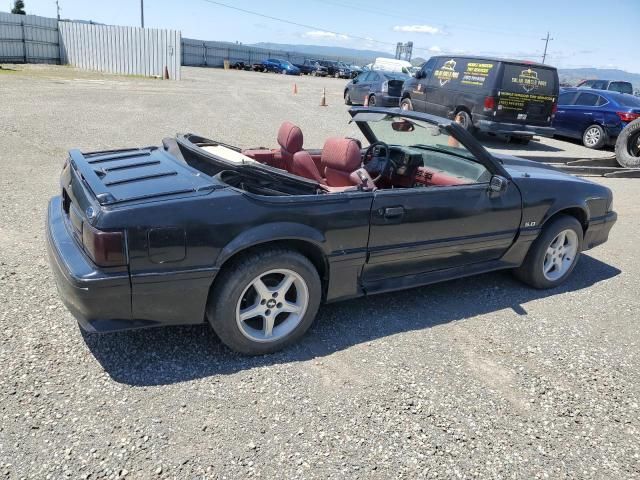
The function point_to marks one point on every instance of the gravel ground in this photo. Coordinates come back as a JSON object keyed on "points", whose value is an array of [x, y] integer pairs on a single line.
{"points": [[475, 378]]}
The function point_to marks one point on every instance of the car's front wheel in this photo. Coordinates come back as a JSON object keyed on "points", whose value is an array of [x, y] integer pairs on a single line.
{"points": [[264, 301], [553, 255], [594, 137], [347, 98]]}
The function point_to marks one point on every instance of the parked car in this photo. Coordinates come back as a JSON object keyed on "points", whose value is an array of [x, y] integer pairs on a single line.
{"points": [[594, 116], [258, 67], [240, 66], [196, 230], [379, 87], [280, 66], [336, 69], [355, 69], [613, 85], [312, 67], [505, 97]]}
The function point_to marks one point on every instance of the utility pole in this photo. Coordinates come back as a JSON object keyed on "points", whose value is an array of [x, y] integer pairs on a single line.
{"points": [[58, 9], [546, 44], [142, 13]]}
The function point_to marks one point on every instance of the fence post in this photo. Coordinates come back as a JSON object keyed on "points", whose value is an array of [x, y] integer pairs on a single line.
{"points": [[204, 53], [24, 41]]}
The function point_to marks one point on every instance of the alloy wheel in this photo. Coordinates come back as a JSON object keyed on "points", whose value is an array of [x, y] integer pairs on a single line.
{"points": [[560, 255], [592, 136], [272, 305]]}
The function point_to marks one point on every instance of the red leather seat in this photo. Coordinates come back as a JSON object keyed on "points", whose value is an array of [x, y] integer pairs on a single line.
{"points": [[340, 158], [290, 140]]}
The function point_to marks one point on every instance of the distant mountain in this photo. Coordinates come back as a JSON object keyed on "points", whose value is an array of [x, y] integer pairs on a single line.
{"points": [[574, 75], [363, 56]]}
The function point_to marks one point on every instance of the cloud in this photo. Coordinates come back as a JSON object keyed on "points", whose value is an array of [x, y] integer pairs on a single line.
{"points": [[435, 49], [321, 34], [417, 29]]}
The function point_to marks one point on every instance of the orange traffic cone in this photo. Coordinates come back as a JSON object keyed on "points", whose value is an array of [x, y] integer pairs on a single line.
{"points": [[295, 89], [366, 101], [323, 100]]}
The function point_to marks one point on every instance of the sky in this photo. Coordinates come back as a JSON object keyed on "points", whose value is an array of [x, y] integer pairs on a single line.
{"points": [[585, 33]]}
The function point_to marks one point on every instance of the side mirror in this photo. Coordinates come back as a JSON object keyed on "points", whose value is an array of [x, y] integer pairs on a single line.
{"points": [[498, 184], [354, 81], [419, 74]]}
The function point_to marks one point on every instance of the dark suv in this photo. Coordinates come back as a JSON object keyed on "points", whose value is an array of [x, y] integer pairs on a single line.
{"points": [[506, 97], [336, 69], [312, 67]]}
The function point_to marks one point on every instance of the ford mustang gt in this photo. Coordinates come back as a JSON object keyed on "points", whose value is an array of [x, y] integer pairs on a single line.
{"points": [[254, 240]]}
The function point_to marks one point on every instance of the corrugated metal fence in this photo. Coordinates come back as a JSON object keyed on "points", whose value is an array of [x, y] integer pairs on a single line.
{"points": [[213, 54], [104, 48], [28, 39], [127, 50]]}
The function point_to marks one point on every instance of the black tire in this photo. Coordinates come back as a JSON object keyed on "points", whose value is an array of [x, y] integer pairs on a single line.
{"points": [[372, 100], [628, 146], [347, 98], [466, 121], [594, 137], [406, 104], [235, 278], [531, 270], [336, 75]]}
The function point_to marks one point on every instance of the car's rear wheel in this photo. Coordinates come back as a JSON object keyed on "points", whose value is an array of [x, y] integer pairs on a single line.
{"points": [[265, 301], [336, 75], [372, 100], [406, 104], [283, 72], [553, 255], [463, 118], [347, 98], [594, 137]]}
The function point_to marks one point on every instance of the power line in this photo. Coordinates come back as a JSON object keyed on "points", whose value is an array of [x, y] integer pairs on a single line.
{"points": [[290, 22]]}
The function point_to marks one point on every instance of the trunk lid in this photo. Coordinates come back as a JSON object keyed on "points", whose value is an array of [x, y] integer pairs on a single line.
{"points": [[120, 176], [526, 94]]}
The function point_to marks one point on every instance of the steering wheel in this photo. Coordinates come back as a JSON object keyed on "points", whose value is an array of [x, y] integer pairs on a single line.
{"points": [[386, 161]]}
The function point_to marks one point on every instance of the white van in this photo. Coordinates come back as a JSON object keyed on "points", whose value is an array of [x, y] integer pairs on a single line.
{"points": [[392, 65]]}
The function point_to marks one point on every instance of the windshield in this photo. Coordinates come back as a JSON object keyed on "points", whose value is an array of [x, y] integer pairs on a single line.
{"points": [[395, 76], [397, 130]]}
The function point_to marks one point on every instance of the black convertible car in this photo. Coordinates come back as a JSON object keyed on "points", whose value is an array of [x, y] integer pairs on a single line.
{"points": [[253, 241]]}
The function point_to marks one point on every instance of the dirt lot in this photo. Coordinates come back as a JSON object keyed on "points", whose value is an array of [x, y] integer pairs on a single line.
{"points": [[476, 378]]}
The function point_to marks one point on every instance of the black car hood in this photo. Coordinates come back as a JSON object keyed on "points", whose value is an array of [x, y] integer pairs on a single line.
{"points": [[522, 168]]}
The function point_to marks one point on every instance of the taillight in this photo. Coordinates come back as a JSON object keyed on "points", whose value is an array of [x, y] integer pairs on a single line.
{"points": [[106, 249], [385, 86], [627, 116], [489, 104], [554, 109]]}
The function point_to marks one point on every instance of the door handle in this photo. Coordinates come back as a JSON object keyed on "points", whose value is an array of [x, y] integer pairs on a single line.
{"points": [[393, 212]]}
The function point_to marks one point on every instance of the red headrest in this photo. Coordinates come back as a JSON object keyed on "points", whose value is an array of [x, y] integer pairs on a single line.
{"points": [[290, 137], [341, 154]]}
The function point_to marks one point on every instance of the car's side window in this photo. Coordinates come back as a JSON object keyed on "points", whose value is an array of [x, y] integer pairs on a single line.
{"points": [[566, 98], [587, 99], [601, 101]]}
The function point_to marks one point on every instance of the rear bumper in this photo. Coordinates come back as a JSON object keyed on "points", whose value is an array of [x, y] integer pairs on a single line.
{"points": [[598, 231], [100, 300], [514, 129]]}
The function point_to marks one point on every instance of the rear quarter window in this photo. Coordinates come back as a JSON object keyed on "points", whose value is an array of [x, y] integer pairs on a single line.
{"points": [[468, 75]]}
